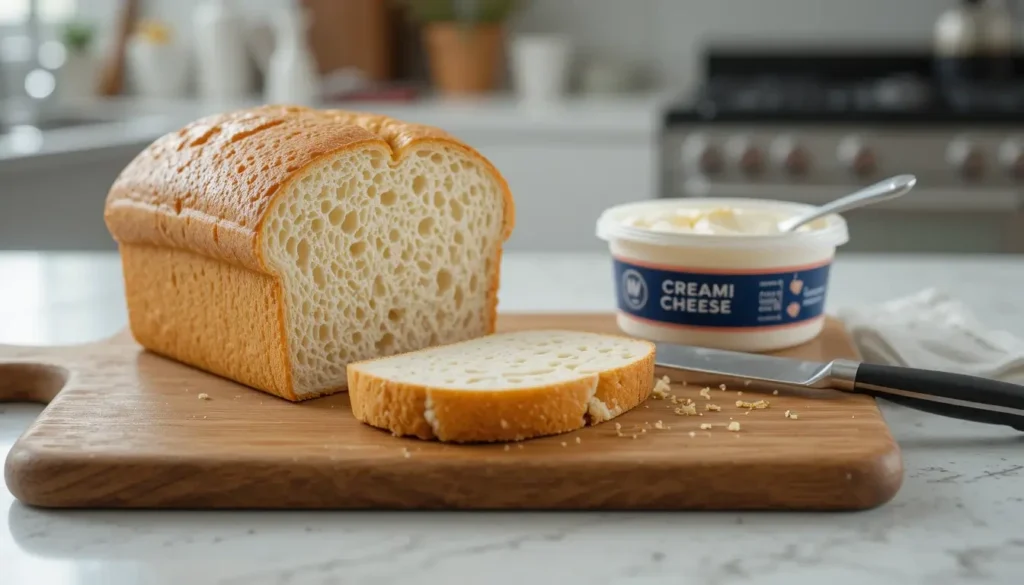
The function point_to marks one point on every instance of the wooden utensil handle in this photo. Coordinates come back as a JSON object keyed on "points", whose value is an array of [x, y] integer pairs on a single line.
{"points": [[111, 80]]}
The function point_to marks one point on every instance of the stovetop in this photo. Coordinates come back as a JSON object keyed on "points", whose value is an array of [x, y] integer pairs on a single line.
{"points": [[890, 87]]}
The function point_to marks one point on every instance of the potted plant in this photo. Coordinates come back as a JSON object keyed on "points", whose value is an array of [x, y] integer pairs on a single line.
{"points": [[464, 41]]}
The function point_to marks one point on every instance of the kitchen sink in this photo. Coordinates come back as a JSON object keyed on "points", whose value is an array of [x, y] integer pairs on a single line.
{"points": [[57, 123]]}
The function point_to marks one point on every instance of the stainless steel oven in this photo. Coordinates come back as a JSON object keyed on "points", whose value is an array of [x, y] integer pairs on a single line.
{"points": [[809, 129]]}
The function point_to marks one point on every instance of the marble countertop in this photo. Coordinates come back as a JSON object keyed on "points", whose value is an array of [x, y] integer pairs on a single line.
{"points": [[957, 518]]}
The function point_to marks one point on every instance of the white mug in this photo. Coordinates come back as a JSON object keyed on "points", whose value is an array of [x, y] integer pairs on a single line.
{"points": [[540, 67]]}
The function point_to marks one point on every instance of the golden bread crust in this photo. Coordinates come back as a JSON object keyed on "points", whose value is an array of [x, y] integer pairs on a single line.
{"points": [[208, 187], [208, 314], [511, 415]]}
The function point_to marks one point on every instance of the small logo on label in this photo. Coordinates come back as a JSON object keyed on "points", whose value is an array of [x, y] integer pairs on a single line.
{"points": [[793, 309], [796, 286], [634, 289]]}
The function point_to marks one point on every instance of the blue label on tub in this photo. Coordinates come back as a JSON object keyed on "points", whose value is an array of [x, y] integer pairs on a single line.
{"points": [[702, 299]]}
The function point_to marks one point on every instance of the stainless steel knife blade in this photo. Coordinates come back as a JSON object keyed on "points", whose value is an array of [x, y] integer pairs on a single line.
{"points": [[744, 366], [943, 393]]}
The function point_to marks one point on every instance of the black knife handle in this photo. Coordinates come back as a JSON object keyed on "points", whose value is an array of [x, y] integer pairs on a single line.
{"points": [[952, 395]]}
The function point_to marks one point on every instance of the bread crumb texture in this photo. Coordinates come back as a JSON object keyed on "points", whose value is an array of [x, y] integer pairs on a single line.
{"points": [[662, 388], [504, 387], [275, 245]]}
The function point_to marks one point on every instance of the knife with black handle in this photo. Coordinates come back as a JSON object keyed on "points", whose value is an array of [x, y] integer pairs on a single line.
{"points": [[952, 395]]}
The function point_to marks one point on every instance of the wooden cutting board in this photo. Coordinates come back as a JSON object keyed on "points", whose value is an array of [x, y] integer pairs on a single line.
{"points": [[126, 429]]}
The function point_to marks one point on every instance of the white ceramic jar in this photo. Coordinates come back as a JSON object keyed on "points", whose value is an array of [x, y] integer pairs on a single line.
{"points": [[715, 273], [224, 72], [540, 67]]}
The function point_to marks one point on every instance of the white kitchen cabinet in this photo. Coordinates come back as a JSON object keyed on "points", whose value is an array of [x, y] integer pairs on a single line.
{"points": [[560, 188]]}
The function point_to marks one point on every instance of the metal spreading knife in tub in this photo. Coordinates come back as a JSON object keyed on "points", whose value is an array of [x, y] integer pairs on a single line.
{"points": [[946, 394]]}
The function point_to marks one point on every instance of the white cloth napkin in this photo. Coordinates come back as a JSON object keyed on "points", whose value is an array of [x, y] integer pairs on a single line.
{"points": [[931, 330]]}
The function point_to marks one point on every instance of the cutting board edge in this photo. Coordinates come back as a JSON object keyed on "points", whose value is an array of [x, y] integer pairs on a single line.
{"points": [[875, 479]]}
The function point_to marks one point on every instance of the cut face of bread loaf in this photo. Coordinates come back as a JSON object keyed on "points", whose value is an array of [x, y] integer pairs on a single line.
{"points": [[504, 387], [275, 245]]}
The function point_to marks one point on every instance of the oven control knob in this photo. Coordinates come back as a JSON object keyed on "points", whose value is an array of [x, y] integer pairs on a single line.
{"points": [[790, 156], [856, 156], [700, 155], [966, 157], [745, 155], [1011, 156]]}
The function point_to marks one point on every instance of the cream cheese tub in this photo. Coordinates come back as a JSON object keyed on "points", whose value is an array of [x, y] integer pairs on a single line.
{"points": [[717, 272]]}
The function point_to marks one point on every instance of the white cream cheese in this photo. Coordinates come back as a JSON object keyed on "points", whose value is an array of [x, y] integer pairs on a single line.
{"points": [[718, 221]]}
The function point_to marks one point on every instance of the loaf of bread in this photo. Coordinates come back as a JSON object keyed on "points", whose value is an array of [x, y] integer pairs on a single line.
{"points": [[503, 387], [275, 245]]}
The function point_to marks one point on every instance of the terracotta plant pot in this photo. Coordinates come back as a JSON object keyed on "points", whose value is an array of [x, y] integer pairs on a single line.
{"points": [[464, 60]]}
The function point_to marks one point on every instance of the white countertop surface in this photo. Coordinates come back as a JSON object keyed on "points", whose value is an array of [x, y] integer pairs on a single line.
{"points": [[958, 517]]}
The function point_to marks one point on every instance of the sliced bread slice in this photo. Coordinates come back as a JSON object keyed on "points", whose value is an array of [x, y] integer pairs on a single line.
{"points": [[504, 387]]}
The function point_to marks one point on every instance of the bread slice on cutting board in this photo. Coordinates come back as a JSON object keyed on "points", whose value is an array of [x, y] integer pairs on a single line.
{"points": [[503, 387], [275, 245]]}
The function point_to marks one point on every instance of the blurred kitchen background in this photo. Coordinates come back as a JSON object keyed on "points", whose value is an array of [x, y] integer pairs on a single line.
{"points": [[582, 104]]}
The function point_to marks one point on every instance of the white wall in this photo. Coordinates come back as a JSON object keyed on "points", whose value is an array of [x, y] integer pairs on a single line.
{"points": [[663, 37], [666, 35]]}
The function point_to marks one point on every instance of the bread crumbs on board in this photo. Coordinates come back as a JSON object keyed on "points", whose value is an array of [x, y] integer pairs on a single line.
{"points": [[406, 453], [756, 405], [721, 387], [507, 448], [705, 427], [734, 426], [705, 393], [564, 444], [712, 407], [775, 392], [662, 387], [686, 410], [203, 396], [660, 425], [578, 440], [792, 414], [693, 434]]}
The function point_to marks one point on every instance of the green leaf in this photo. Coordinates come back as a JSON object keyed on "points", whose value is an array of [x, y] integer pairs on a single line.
{"points": [[77, 36]]}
